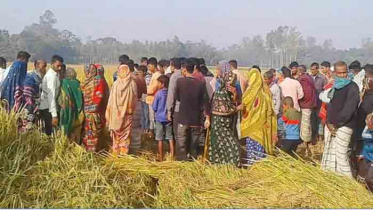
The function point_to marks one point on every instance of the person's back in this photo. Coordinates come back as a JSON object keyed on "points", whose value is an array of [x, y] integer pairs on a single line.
{"points": [[190, 93], [291, 119], [308, 86], [291, 87]]}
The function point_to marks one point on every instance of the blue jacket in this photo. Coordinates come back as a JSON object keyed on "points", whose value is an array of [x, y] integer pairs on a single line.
{"points": [[291, 119], [160, 106]]}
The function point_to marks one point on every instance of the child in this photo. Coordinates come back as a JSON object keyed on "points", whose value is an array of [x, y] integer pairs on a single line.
{"points": [[365, 163], [145, 123], [291, 118], [163, 128]]}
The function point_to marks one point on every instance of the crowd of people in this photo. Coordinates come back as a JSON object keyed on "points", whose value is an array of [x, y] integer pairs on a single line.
{"points": [[231, 117]]}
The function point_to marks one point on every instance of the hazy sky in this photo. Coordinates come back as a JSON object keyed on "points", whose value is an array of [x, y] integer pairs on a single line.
{"points": [[219, 22]]}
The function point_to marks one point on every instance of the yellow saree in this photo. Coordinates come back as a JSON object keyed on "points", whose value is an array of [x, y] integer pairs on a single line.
{"points": [[259, 120]]}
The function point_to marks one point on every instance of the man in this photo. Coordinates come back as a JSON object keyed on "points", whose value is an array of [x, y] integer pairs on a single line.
{"points": [[294, 69], [358, 74], [135, 144], [31, 96], [152, 89], [144, 61], [204, 70], [2, 70], [123, 60], [191, 94], [307, 104], [12, 87], [320, 82], [275, 90], [340, 122], [290, 87], [50, 91], [241, 77], [172, 104], [326, 71]]}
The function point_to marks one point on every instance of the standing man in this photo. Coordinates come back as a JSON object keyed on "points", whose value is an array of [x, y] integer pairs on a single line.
{"points": [[275, 90], [294, 69], [326, 71], [50, 91], [2, 70], [172, 104], [307, 104], [31, 96], [320, 82], [191, 94], [12, 90], [358, 74], [340, 122], [290, 87], [241, 77], [152, 89]]}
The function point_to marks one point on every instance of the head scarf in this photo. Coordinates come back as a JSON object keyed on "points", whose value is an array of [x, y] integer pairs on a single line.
{"points": [[259, 120], [122, 99], [71, 102], [13, 84], [71, 73], [100, 70], [224, 67]]}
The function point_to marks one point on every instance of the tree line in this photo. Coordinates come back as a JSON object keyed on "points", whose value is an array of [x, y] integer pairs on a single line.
{"points": [[277, 48]]}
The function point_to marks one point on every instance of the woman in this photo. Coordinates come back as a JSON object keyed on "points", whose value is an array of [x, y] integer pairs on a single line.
{"points": [[13, 84], [223, 145], [71, 104], [258, 125], [93, 92], [120, 110]]}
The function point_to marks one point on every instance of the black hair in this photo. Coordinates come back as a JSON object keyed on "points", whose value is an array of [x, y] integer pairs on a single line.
{"points": [[164, 80], [195, 62], [36, 63], [202, 61], [143, 59], [142, 68], [326, 64], [288, 101], [256, 67], [233, 63], [369, 68], [123, 59], [293, 64], [23, 55], [2, 62], [189, 65], [130, 65], [268, 75], [153, 61], [355, 65], [136, 66], [176, 62], [315, 64], [273, 71], [56, 58], [164, 63], [286, 72], [303, 68]]}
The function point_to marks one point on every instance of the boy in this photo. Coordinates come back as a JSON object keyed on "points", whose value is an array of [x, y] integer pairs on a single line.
{"points": [[291, 118], [145, 108], [152, 89], [163, 128]]}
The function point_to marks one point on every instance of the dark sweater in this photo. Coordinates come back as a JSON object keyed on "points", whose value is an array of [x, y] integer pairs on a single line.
{"points": [[343, 106], [191, 94], [309, 99], [365, 108]]}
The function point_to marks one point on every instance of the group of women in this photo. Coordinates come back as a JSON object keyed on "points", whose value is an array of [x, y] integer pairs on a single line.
{"points": [[238, 120]]}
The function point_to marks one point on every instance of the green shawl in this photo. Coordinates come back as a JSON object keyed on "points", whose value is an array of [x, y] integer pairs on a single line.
{"points": [[71, 103]]}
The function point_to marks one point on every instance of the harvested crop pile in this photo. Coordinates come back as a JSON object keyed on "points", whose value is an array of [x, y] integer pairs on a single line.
{"points": [[40, 173]]}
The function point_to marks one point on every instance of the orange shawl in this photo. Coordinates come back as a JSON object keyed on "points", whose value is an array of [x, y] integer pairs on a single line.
{"points": [[122, 99]]}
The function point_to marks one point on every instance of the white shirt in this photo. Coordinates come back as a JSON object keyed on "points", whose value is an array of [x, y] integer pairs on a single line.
{"points": [[50, 90], [276, 97], [359, 78], [3, 75]]}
